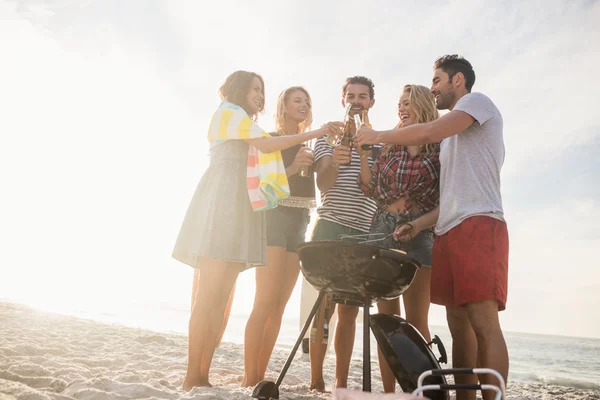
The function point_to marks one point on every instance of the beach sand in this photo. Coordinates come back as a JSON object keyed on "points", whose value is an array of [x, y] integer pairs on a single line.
{"points": [[49, 356]]}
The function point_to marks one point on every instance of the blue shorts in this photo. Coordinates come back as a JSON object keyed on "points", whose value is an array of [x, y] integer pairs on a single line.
{"points": [[420, 247]]}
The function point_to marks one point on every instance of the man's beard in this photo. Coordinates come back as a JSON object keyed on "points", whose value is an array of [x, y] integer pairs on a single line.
{"points": [[445, 101]]}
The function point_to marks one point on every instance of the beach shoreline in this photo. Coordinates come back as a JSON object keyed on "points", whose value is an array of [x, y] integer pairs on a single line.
{"points": [[52, 356]]}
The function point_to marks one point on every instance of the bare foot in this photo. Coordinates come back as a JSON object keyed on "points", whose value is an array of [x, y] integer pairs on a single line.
{"points": [[190, 383], [339, 384], [248, 382], [318, 386]]}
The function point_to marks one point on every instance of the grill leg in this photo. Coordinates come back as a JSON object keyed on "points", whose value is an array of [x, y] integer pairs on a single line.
{"points": [[300, 337], [366, 346], [267, 390]]}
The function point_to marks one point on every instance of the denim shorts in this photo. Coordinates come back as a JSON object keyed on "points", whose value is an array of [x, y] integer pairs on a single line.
{"points": [[420, 247], [286, 227]]}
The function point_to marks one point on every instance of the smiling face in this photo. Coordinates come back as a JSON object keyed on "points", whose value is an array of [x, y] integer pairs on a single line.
{"points": [[359, 96], [405, 111], [297, 106], [255, 98], [443, 90]]}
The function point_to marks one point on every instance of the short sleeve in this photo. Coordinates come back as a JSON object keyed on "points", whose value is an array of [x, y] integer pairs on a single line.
{"points": [[322, 149], [478, 106]]}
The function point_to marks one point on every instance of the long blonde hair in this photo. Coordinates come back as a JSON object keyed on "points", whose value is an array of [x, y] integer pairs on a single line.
{"points": [[423, 104], [281, 103]]}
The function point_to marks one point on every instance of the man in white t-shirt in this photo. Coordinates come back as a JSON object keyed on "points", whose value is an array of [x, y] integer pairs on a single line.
{"points": [[470, 253]]}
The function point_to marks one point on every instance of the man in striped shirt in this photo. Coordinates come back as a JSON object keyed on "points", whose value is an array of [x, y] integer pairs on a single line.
{"points": [[344, 210]]}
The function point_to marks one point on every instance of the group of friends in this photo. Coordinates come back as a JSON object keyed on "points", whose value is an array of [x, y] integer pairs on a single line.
{"points": [[431, 188]]}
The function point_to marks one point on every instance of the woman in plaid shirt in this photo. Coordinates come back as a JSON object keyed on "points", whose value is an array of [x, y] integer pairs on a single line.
{"points": [[404, 182]]}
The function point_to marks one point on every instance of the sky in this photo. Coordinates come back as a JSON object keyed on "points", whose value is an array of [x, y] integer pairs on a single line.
{"points": [[105, 107]]}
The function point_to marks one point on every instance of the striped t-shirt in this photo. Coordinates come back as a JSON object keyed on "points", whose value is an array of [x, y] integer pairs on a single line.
{"points": [[345, 203]]}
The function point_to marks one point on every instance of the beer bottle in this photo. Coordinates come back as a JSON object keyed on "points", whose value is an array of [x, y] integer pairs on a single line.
{"points": [[364, 121], [333, 139], [347, 136]]}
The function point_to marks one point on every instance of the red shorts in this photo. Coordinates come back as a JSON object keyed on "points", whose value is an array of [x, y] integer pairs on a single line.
{"points": [[470, 263]]}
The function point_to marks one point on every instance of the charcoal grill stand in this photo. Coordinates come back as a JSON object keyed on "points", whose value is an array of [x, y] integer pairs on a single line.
{"points": [[267, 390]]}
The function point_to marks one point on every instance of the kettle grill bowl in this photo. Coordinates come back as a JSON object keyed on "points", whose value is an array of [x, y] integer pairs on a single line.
{"points": [[356, 271]]}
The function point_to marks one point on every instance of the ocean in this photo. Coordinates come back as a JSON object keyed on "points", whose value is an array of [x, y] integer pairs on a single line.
{"points": [[558, 360]]}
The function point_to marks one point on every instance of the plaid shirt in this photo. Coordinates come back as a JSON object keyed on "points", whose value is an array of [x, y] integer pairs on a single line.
{"points": [[396, 174]]}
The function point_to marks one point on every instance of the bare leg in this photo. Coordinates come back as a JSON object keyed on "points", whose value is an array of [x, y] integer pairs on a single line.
{"points": [[195, 284], [308, 296], [318, 349], [227, 309], [464, 348], [416, 302], [227, 313], [268, 280], [344, 343], [216, 280], [290, 273], [491, 347], [387, 376]]}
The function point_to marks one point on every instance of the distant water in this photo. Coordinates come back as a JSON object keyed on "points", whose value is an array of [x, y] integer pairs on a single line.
{"points": [[558, 360]]}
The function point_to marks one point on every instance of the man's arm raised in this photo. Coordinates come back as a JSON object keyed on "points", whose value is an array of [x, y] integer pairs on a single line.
{"points": [[432, 132]]}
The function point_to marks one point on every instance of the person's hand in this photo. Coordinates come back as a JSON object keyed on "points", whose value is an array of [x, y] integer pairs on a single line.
{"points": [[406, 232], [341, 155], [304, 158], [333, 128], [366, 135], [361, 152]]}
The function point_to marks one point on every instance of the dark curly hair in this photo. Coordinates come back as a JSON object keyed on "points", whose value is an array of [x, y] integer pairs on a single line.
{"points": [[452, 64]]}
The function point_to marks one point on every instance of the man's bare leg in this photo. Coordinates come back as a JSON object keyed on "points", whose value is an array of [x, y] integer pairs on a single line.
{"points": [[464, 348], [318, 349], [344, 343], [491, 347]]}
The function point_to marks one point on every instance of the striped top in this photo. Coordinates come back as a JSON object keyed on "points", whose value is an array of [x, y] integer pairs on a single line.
{"points": [[265, 173], [345, 203]]}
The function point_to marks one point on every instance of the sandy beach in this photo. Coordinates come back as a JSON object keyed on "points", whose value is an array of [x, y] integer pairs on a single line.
{"points": [[50, 356]]}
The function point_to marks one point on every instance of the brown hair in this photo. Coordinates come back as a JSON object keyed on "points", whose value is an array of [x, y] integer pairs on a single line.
{"points": [[236, 87], [360, 80], [453, 64], [281, 103]]}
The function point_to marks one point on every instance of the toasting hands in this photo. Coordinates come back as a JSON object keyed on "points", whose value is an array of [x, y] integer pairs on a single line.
{"points": [[333, 128], [366, 136]]}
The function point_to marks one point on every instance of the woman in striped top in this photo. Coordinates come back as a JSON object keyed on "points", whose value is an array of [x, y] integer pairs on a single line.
{"points": [[404, 182]]}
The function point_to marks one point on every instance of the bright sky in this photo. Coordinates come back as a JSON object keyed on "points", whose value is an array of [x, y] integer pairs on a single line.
{"points": [[105, 105]]}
